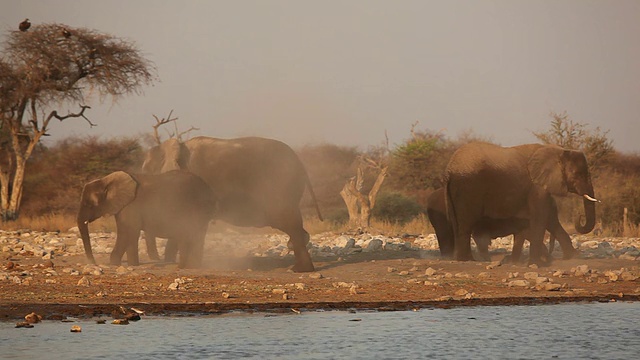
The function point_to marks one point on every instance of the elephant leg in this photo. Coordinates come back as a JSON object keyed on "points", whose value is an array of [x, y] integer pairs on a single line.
{"points": [[557, 231], [518, 243], [482, 244], [538, 253], [152, 249], [290, 222], [462, 247], [192, 250], [300, 240], [126, 241], [184, 248], [171, 250]]}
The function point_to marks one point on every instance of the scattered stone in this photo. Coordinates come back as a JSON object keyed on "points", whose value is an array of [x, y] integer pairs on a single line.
{"points": [[551, 286], [285, 296], [33, 318], [316, 275], [461, 292], [101, 321], [628, 276], [403, 273], [430, 271], [531, 275], [120, 322], [533, 266], [121, 270], [581, 270], [541, 279], [611, 275], [493, 265], [300, 286], [444, 298], [84, 281], [279, 291], [484, 275], [374, 245], [518, 283], [513, 275], [391, 269], [24, 324], [353, 290], [76, 329], [173, 286]]}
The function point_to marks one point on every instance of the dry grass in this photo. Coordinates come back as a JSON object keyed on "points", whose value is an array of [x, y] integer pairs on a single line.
{"points": [[58, 222], [419, 225]]}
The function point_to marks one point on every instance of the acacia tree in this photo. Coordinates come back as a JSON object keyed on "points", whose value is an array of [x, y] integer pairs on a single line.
{"points": [[44, 68], [578, 136]]}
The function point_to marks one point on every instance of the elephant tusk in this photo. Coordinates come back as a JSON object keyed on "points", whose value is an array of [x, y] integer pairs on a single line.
{"points": [[86, 222], [590, 198]]}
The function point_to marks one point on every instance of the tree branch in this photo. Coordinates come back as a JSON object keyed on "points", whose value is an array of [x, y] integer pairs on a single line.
{"points": [[160, 122], [54, 114]]}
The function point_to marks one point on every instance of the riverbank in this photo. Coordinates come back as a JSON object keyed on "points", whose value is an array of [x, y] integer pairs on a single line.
{"points": [[47, 273]]}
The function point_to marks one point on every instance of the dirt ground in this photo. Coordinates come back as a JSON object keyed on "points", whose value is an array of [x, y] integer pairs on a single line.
{"points": [[397, 280]]}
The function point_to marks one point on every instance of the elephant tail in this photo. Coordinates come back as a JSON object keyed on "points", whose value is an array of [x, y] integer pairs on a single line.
{"points": [[313, 195], [449, 208]]}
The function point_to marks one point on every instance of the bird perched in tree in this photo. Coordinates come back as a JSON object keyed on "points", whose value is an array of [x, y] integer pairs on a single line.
{"points": [[25, 25], [66, 33]]}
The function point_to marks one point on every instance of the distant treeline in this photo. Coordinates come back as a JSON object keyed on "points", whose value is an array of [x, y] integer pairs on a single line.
{"points": [[56, 173]]}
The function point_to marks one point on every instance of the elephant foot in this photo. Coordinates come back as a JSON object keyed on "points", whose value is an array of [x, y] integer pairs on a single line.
{"points": [[303, 267], [464, 257], [154, 257], [571, 254], [541, 262]]}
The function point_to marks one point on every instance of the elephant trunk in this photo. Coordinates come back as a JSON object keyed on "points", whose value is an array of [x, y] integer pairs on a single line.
{"points": [[83, 227], [589, 202]]}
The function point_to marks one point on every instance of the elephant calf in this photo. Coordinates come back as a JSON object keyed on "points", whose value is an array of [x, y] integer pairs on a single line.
{"points": [[176, 205], [487, 229]]}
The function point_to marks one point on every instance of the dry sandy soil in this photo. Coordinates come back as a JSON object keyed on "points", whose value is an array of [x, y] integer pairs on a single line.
{"points": [[385, 280]]}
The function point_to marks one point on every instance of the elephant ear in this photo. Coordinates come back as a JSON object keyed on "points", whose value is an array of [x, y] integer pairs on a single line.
{"points": [[546, 169], [171, 152], [120, 190]]}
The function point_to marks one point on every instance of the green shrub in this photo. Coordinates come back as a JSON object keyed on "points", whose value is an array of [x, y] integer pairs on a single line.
{"points": [[396, 208]]}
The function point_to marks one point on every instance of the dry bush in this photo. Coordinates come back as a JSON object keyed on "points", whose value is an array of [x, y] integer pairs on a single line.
{"points": [[56, 175], [329, 167]]}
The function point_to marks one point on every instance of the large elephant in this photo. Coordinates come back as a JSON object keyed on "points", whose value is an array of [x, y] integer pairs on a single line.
{"points": [[487, 229], [259, 182], [488, 181], [176, 205]]}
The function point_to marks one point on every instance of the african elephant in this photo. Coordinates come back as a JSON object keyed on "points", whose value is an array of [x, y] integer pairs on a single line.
{"points": [[489, 181], [177, 205], [259, 182], [487, 229]]}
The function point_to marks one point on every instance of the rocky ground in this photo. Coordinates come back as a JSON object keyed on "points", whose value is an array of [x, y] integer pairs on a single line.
{"points": [[47, 273]]}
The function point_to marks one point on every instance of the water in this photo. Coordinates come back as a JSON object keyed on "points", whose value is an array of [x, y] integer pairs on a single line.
{"points": [[567, 331]]}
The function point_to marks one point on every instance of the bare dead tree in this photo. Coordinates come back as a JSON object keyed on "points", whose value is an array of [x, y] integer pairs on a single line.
{"points": [[177, 134], [51, 65], [359, 204], [160, 122]]}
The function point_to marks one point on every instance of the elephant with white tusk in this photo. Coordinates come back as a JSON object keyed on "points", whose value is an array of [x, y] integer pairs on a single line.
{"points": [[259, 182], [486, 181], [176, 205]]}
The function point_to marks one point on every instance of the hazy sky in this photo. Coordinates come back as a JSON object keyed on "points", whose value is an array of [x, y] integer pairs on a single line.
{"points": [[345, 71]]}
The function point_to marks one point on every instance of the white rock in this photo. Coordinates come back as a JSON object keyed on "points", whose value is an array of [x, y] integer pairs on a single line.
{"points": [[518, 283]]}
